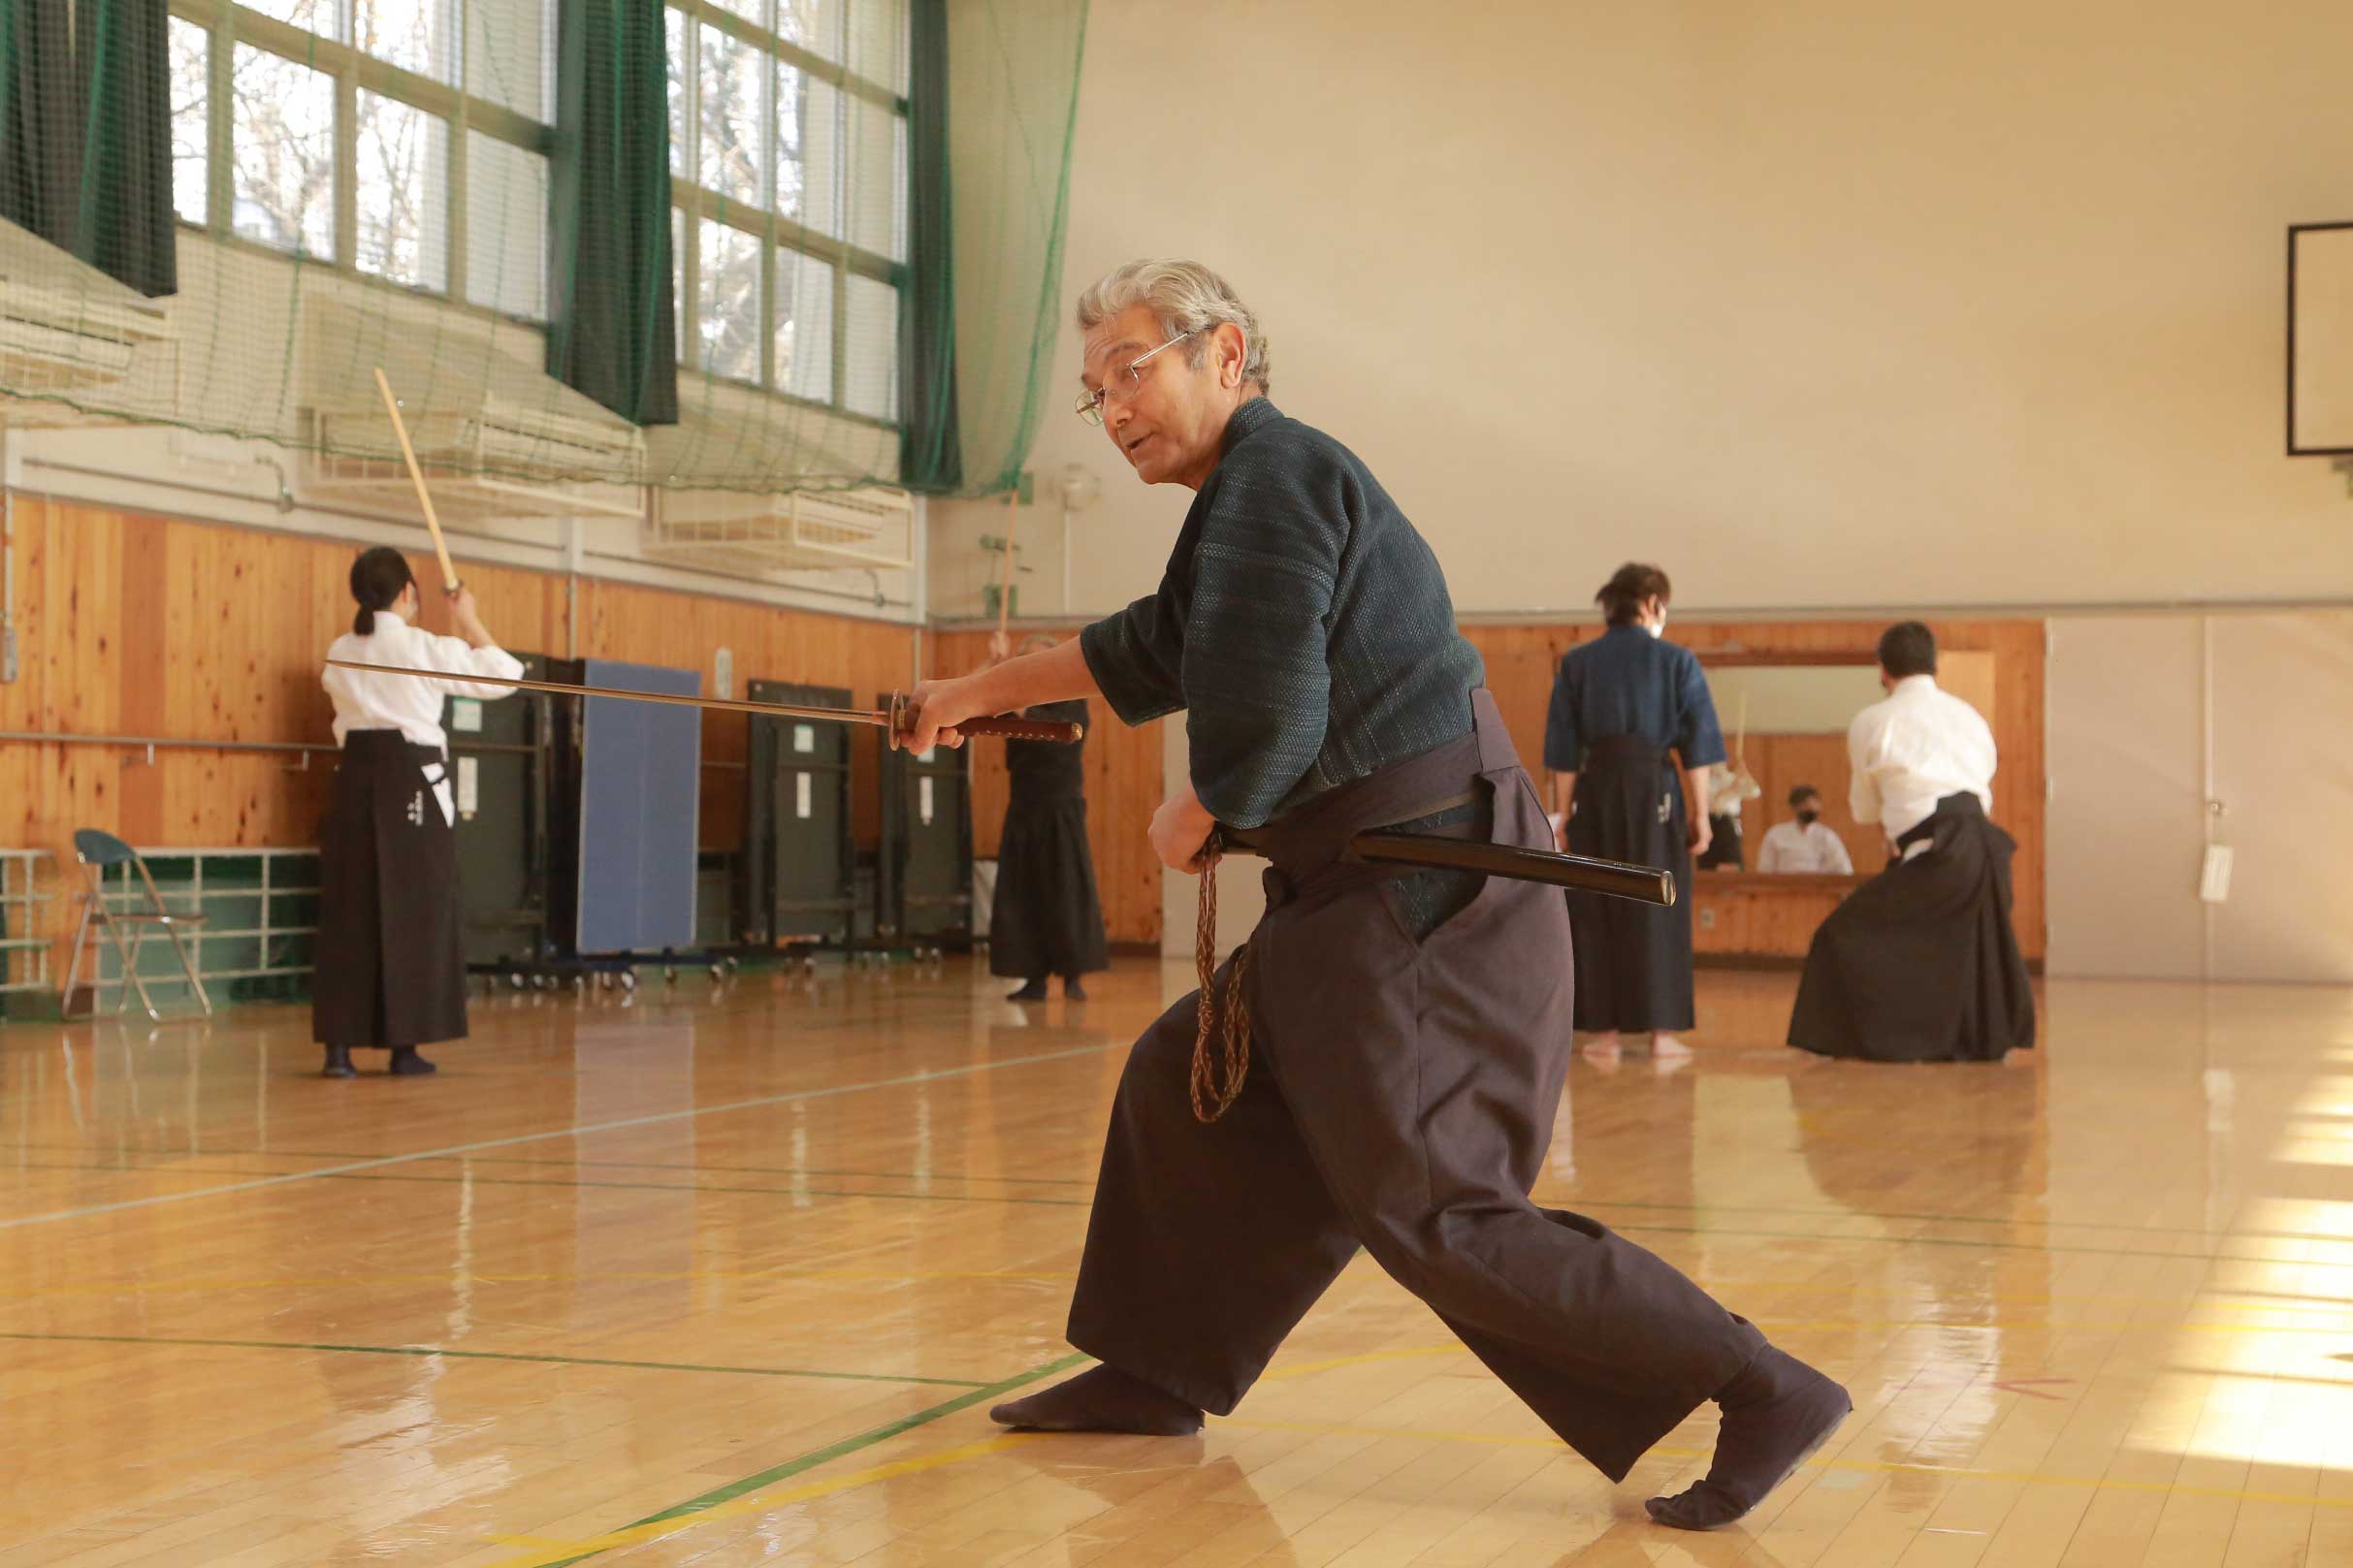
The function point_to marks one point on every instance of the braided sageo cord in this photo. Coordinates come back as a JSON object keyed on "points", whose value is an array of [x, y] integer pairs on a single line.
{"points": [[1212, 1098]]}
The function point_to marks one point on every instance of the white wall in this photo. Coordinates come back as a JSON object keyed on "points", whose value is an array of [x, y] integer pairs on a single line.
{"points": [[1824, 304], [1791, 699]]}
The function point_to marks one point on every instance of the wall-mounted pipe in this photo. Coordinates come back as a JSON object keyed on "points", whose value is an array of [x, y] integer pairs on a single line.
{"points": [[875, 599]]}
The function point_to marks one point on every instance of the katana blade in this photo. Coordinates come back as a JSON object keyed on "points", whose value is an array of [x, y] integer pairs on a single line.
{"points": [[1585, 874], [898, 717]]}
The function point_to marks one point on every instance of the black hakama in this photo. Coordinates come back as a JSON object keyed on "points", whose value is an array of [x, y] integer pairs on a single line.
{"points": [[1047, 918], [389, 957], [1634, 960], [1725, 845], [1400, 1098], [1921, 962]]}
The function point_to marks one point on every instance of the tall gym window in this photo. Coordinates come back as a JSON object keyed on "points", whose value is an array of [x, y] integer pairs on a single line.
{"points": [[402, 139], [789, 176]]}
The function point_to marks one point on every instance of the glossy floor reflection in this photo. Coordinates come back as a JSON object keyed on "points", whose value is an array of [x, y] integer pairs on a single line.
{"points": [[730, 1277]]}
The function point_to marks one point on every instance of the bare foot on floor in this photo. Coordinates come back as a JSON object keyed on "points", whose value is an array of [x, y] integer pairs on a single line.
{"points": [[1101, 1399]]}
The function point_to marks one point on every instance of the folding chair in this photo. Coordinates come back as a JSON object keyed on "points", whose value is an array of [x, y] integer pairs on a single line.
{"points": [[95, 851]]}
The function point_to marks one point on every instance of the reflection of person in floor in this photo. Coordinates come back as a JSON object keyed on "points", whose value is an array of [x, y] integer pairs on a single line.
{"points": [[1045, 917], [1385, 1059], [1920, 964]]}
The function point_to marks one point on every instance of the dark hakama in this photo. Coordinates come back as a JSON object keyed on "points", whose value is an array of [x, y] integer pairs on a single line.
{"points": [[390, 964], [1629, 714], [1921, 962], [1047, 918], [1634, 960], [1725, 845], [1400, 1098]]}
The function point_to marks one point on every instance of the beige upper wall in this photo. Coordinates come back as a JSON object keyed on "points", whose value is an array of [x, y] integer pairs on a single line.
{"points": [[1820, 303]]}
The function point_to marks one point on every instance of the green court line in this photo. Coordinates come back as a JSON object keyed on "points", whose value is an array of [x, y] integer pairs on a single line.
{"points": [[835, 1450], [487, 1355]]}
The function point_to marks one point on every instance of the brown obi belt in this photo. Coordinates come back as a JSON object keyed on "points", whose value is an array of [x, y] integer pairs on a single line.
{"points": [[1313, 837]]}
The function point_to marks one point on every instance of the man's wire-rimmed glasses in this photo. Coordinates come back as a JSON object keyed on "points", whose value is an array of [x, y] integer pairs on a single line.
{"points": [[1124, 381]]}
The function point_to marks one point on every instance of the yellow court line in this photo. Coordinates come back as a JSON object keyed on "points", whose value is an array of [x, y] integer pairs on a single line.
{"points": [[632, 1276], [1793, 1324], [543, 1551], [1281, 1374], [1866, 1466]]}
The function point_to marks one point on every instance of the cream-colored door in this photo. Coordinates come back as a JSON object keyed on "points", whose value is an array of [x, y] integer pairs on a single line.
{"points": [[2283, 771], [2125, 821]]}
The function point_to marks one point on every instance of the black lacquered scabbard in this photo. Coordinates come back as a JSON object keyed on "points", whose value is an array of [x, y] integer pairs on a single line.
{"points": [[1645, 884]]}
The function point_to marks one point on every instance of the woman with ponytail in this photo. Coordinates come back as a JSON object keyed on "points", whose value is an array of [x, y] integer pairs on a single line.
{"points": [[390, 966]]}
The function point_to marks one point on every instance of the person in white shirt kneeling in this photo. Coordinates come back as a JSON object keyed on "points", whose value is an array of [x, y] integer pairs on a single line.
{"points": [[1808, 846], [389, 962], [1921, 962]]}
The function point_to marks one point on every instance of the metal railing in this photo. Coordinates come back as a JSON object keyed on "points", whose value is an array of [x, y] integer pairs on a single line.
{"points": [[24, 946]]}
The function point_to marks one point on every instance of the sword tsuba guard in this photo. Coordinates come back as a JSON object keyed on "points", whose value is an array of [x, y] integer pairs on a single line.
{"points": [[901, 714]]}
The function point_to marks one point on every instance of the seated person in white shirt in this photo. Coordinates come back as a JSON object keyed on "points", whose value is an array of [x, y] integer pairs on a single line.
{"points": [[388, 963], [1806, 846], [1920, 964]]}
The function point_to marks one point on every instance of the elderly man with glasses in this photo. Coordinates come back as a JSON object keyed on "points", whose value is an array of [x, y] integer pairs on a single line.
{"points": [[1381, 1064]]}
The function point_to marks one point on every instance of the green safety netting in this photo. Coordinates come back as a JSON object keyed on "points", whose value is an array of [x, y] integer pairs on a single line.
{"points": [[729, 246]]}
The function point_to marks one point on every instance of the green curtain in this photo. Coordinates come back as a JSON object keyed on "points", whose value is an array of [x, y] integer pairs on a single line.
{"points": [[931, 457], [40, 120], [613, 326], [124, 223], [1013, 68]]}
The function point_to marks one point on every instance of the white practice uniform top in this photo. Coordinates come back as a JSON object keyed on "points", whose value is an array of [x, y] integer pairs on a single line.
{"points": [[1812, 847], [364, 700], [1912, 750]]}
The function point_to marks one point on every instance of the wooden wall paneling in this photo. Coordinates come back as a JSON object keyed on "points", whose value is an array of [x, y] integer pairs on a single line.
{"points": [[1731, 920], [141, 624], [1781, 764], [22, 768]]}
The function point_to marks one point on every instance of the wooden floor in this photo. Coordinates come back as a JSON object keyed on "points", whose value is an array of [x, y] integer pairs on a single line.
{"points": [[677, 1278]]}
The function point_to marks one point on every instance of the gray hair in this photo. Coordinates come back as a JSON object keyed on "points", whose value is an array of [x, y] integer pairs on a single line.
{"points": [[1183, 297]]}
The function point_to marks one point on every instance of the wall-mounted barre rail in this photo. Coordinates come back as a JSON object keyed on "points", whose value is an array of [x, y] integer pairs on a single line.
{"points": [[305, 748], [151, 742]]}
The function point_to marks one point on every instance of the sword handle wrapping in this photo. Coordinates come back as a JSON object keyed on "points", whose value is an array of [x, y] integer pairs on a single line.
{"points": [[1011, 727]]}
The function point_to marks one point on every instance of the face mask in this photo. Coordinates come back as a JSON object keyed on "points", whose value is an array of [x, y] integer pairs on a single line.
{"points": [[1659, 626], [1806, 816]]}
